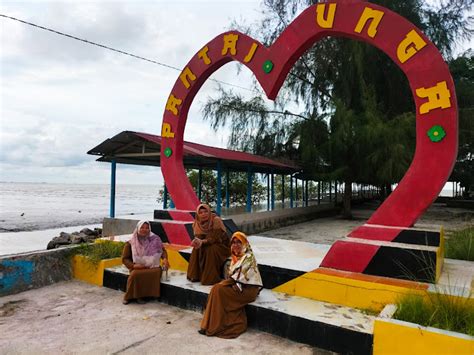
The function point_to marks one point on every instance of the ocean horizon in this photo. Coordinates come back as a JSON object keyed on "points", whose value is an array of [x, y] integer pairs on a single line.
{"points": [[28, 206]]}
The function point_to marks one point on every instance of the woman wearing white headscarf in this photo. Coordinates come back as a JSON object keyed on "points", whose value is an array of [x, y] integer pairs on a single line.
{"points": [[142, 255], [225, 316]]}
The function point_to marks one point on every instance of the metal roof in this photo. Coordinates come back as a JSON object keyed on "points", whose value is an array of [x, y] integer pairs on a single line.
{"points": [[138, 148]]}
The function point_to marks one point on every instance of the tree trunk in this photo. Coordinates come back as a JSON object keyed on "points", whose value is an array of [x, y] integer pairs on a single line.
{"points": [[346, 205]]}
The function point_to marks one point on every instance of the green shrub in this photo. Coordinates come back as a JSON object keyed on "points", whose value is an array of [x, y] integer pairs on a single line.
{"points": [[460, 244], [439, 311], [99, 251]]}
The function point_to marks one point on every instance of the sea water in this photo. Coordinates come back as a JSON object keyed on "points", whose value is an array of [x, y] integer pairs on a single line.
{"points": [[31, 214], [37, 206]]}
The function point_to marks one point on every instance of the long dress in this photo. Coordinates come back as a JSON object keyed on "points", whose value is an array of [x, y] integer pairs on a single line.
{"points": [[141, 282], [206, 263], [225, 315], [227, 318]]}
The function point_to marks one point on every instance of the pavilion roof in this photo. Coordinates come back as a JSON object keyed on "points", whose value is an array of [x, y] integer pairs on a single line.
{"points": [[139, 148]]}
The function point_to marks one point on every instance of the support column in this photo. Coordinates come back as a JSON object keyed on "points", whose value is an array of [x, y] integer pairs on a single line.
{"points": [[282, 191], [219, 188], [268, 192], [306, 193], [319, 192], [296, 192], [291, 191], [227, 195], [330, 192], [303, 197], [248, 207], [113, 169], [335, 192], [273, 191], [200, 184]]}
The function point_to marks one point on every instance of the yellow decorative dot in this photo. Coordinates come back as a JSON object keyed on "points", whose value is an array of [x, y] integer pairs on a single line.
{"points": [[435, 133]]}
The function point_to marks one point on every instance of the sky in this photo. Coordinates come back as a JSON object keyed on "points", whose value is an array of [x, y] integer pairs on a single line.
{"points": [[60, 97]]}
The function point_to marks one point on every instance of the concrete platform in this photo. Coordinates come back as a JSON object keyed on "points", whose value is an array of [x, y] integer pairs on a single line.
{"points": [[74, 317], [281, 261], [304, 302], [323, 325]]}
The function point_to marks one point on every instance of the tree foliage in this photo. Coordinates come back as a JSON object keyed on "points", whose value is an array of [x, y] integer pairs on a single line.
{"points": [[237, 187], [345, 111], [462, 70]]}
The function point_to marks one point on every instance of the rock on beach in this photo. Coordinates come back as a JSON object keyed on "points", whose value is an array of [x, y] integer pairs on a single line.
{"points": [[85, 235]]}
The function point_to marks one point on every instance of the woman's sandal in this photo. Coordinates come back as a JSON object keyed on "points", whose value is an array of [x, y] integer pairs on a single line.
{"points": [[125, 301], [202, 331]]}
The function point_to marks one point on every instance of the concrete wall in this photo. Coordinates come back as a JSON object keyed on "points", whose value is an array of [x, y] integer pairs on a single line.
{"points": [[22, 272], [118, 226], [249, 223], [252, 223]]}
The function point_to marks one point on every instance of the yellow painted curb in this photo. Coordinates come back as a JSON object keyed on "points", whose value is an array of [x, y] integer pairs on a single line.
{"points": [[84, 270], [177, 262], [346, 291], [398, 337]]}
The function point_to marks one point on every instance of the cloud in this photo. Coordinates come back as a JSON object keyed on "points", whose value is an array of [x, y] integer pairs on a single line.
{"points": [[61, 97]]}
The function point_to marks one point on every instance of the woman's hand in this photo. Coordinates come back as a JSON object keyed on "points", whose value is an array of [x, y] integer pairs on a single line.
{"points": [[196, 243], [166, 264], [237, 288]]}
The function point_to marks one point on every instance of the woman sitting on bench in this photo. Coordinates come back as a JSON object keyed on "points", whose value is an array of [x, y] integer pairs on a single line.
{"points": [[210, 247]]}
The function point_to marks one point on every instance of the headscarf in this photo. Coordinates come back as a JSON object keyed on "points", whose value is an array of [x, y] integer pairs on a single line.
{"points": [[214, 222], [146, 250], [244, 269]]}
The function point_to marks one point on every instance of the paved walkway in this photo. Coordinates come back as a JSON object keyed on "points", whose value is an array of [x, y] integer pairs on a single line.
{"points": [[75, 317], [328, 230]]}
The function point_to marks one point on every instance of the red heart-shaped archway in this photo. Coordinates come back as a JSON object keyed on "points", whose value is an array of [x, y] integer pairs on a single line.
{"points": [[425, 69]]}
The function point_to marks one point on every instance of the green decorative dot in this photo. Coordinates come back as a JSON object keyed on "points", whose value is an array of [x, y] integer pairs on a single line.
{"points": [[436, 133], [268, 66], [168, 152]]}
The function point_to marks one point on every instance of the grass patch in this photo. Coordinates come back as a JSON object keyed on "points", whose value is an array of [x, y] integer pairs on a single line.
{"points": [[102, 250], [369, 311], [460, 244], [438, 311]]}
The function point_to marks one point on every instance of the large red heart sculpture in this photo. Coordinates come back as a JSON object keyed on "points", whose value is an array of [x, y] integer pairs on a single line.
{"points": [[428, 75]]}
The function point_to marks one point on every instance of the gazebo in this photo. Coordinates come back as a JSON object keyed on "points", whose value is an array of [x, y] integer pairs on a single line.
{"points": [[139, 148]]}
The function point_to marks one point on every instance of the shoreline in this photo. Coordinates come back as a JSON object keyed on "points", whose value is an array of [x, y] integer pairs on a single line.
{"points": [[321, 231]]}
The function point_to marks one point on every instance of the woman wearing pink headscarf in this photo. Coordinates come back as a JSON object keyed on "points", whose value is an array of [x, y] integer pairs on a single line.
{"points": [[142, 255]]}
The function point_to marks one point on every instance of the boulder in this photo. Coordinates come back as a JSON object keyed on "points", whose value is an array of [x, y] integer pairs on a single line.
{"points": [[88, 232], [62, 239], [86, 235]]}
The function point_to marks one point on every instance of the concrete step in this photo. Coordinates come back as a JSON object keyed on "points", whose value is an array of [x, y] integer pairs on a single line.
{"points": [[402, 253], [324, 325], [279, 260]]}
